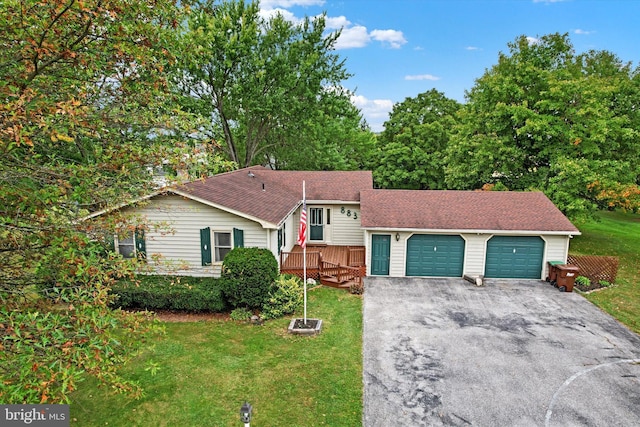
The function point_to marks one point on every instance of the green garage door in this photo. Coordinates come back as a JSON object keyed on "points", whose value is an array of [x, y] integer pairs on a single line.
{"points": [[514, 257], [435, 255]]}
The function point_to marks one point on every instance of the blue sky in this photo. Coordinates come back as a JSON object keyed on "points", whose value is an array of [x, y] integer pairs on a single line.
{"points": [[401, 48]]}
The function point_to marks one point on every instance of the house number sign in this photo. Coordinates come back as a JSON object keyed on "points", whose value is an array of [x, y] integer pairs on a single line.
{"points": [[349, 212]]}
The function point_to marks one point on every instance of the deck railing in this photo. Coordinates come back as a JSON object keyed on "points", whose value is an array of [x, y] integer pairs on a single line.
{"points": [[319, 268], [293, 263], [356, 257], [341, 273]]}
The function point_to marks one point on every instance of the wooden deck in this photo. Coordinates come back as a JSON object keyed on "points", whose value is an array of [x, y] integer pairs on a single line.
{"points": [[336, 266]]}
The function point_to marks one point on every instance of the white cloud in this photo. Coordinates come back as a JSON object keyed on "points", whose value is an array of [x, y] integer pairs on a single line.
{"points": [[394, 38], [472, 48], [335, 23], [268, 13], [422, 77], [375, 111], [582, 32], [353, 37], [358, 35]]}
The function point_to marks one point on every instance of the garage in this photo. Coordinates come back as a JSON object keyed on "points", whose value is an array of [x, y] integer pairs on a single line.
{"points": [[514, 257], [435, 255]]}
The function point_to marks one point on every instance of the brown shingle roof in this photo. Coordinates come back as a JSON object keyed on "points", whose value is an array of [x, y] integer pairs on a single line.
{"points": [[270, 195], [462, 210]]}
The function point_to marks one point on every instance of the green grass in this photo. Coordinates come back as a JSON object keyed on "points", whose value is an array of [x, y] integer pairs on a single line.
{"points": [[206, 370], [616, 234]]}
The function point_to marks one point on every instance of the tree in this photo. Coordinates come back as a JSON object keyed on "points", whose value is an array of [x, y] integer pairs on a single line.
{"points": [[334, 138], [414, 142], [258, 81], [542, 108], [84, 113]]}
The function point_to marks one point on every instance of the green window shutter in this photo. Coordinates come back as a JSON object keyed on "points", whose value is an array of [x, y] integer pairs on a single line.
{"points": [[205, 245], [279, 241], [238, 238], [141, 245]]}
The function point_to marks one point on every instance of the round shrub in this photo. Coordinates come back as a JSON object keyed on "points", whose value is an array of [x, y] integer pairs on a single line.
{"points": [[247, 276], [286, 297]]}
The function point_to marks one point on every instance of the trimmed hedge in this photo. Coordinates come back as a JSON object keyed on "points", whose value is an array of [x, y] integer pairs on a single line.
{"points": [[170, 293]]}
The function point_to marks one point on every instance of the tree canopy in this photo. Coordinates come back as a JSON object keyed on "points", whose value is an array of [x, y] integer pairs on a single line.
{"points": [[413, 145], [264, 83], [547, 118]]}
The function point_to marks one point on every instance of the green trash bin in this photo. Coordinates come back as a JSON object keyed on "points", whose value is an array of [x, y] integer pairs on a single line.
{"points": [[553, 271]]}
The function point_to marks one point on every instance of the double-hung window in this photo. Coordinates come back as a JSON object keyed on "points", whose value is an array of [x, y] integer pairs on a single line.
{"points": [[222, 245], [131, 244], [223, 242]]}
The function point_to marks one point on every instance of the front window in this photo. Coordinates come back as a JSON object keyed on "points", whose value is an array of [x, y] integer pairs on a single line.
{"points": [[131, 244], [127, 246], [222, 243]]}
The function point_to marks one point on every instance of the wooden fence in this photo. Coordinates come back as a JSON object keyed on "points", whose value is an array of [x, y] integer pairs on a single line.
{"points": [[596, 268]]}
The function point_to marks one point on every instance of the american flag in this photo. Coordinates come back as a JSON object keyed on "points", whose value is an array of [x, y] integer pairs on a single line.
{"points": [[302, 232]]}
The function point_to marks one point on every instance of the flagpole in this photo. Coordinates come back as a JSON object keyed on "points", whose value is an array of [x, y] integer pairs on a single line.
{"points": [[304, 256]]}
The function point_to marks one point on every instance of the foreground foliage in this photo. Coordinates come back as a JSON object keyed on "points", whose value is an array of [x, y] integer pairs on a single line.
{"points": [[201, 373], [84, 113], [48, 348]]}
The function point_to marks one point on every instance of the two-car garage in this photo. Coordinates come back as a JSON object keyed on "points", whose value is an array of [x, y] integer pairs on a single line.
{"points": [[448, 233], [435, 255]]}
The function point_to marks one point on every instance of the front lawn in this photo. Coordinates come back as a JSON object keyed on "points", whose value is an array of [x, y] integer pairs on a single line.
{"points": [[200, 373], [616, 234]]}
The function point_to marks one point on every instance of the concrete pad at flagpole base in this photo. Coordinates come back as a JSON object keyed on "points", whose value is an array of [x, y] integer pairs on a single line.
{"points": [[314, 326]]}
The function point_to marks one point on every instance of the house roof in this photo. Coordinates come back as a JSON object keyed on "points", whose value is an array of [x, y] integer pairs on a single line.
{"points": [[270, 196], [462, 210]]}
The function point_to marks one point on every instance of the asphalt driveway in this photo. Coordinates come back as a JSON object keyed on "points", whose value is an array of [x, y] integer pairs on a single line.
{"points": [[444, 352]]}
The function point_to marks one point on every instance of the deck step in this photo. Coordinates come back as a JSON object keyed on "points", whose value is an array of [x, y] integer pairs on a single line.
{"points": [[334, 283]]}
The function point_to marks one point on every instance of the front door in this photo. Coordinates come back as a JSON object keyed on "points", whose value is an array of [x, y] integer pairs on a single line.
{"points": [[316, 224], [380, 250]]}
